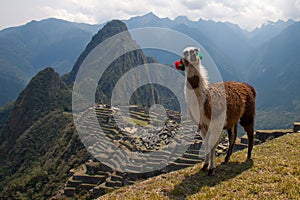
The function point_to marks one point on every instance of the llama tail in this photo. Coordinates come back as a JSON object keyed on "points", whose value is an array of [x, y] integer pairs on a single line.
{"points": [[247, 120], [252, 89]]}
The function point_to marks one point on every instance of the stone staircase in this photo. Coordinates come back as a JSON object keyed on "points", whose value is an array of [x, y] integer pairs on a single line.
{"points": [[98, 178]]}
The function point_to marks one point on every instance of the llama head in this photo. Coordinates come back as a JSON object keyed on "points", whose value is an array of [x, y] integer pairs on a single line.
{"points": [[191, 57], [191, 61], [193, 68]]}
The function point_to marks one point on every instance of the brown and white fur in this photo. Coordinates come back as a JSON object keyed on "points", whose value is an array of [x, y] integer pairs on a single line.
{"points": [[218, 106]]}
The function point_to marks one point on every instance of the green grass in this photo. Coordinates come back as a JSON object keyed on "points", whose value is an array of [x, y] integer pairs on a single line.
{"points": [[134, 121], [274, 173]]}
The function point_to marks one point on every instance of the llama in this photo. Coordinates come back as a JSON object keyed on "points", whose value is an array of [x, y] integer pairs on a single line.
{"points": [[208, 103]]}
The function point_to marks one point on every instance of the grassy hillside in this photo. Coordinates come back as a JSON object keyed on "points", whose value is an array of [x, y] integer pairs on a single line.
{"points": [[274, 173], [38, 164], [38, 142]]}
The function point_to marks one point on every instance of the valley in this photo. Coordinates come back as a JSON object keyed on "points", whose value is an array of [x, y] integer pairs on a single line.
{"points": [[44, 154]]}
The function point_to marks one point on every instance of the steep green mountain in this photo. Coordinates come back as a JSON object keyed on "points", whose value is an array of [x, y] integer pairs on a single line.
{"points": [[39, 143], [107, 31], [43, 93], [146, 95], [239, 55], [38, 140], [4, 116], [27, 49]]}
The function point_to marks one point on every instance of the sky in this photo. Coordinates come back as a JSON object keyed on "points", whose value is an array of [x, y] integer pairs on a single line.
{"points": [[247, 14]]}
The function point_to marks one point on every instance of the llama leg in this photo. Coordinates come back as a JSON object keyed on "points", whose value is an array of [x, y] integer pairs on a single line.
{"points": [[250, 134], [205, 165], [232, 133], [206, 161], [212, 144], [213, 139], [212, 166], [247, 121], [204, 142]]}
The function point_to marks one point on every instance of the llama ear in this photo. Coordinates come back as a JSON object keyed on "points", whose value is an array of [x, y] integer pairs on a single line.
{"points": [[200, 56]]}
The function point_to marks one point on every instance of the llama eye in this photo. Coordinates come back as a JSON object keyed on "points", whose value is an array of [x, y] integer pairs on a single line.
{"points": [[196, 51], [191, 52], [186, 54]]}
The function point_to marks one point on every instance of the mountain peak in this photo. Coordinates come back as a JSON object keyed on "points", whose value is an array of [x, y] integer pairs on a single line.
{"points": [[182, 19], [276, 23], [150, 14], [110, 29], [115, 27], [144, 18], [38, 98]]}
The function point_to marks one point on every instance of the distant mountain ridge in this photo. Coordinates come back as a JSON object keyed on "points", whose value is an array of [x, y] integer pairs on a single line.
{"points": [[239, 55], [39, 143], [276, 67], [267, 31], [119, 67], [27, 49], [266, 58]]}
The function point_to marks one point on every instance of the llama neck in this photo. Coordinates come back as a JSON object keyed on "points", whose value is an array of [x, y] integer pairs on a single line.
{"points": [[202, 90], [198, 73], [203, 77]]}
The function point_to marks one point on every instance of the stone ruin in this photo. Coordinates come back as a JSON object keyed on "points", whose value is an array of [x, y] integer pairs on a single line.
{"points": [[99, 179]]}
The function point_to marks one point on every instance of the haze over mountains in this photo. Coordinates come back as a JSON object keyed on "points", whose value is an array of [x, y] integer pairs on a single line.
{"points": [[265, 57], [38, 139], [25, 50]]}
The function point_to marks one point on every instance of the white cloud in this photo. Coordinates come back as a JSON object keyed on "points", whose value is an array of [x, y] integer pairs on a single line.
{"points": [[248, 14], [14, 13], [68, 15], [194, 4]]}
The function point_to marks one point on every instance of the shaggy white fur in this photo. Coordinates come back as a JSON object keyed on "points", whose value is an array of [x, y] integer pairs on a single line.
{"points": [[214, 107], [196, 92]]}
